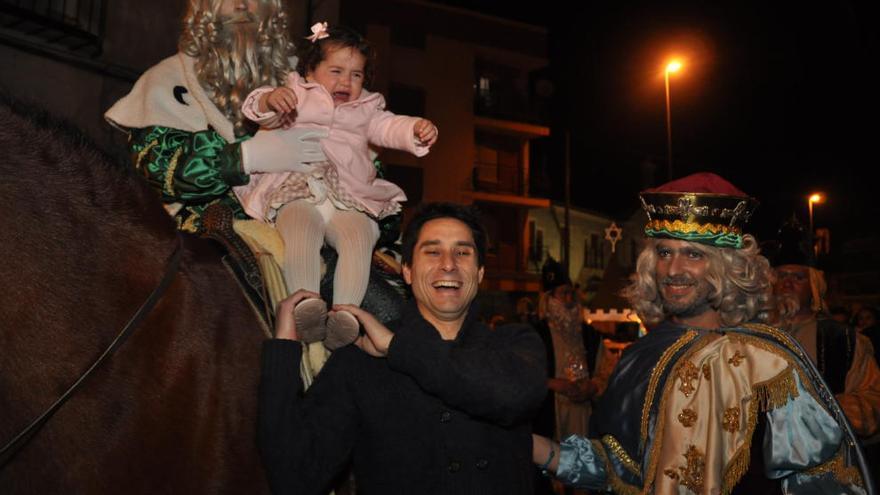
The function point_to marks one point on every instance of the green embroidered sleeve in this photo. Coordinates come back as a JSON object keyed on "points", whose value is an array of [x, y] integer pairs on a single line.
{"points": [[389, 227], [187, 167]]}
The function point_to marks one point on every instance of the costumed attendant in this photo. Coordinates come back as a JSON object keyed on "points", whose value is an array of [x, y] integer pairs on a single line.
{"points": [[338, 200], [711, 400], [570, 381]]}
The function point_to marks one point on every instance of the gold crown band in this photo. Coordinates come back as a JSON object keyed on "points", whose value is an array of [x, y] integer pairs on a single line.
{"points": [[691, 227]]}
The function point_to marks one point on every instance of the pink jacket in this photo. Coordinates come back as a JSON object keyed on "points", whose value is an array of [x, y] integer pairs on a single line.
{"points": [[351, 127]]}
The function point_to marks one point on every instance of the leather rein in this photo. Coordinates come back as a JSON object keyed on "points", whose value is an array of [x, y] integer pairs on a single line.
{"points": [[19, 441]]}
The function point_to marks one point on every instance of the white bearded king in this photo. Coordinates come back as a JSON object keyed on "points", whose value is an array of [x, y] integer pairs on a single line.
{"points": [[183, 116]]}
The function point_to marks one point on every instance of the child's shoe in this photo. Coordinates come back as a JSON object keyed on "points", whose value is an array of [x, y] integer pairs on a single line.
{"points": [[310, 316], [342, 329]]}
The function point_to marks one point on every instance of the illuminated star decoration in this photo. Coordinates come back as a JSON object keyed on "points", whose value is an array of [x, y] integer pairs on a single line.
{"points": [[613, 234]]}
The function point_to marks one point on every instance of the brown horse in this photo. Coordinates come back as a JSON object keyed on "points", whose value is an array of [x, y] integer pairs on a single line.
{"points": [[83, 243]]}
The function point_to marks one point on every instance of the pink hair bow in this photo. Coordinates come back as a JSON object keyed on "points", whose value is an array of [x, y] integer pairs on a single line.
{"points": [[319, 32]]}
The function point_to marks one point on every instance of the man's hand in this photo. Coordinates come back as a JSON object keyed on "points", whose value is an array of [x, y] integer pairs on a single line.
{"points": [[282, 100], [377, 338], [290, 150], [425, 132], [285, 326]]}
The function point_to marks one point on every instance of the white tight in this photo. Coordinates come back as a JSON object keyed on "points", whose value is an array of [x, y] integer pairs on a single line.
{"points": [[305, 226]]}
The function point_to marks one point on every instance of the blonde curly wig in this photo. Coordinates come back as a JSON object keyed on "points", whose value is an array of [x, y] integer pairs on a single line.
{"points": [[234, 59], [741, 283]]}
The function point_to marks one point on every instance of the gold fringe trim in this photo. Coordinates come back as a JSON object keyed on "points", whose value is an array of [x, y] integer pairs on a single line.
{"points": [[617, 484], [621, 454], [777, 391], [785, 339], [767, 395], [846, 475], [739, 463], [655, 378], [169, 175], [142, 153], [735, 470]]}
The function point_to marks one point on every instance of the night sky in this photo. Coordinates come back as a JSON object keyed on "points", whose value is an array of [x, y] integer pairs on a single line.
{"points": [[780, 98]]}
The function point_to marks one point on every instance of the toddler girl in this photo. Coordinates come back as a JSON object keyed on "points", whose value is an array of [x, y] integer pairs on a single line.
{"points": [[338, 201]]}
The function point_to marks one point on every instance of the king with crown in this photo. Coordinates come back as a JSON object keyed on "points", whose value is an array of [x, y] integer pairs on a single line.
{"points": [[712, 400]]}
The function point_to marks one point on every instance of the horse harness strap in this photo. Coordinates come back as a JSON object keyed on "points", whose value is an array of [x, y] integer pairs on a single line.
{"points": [[19, 441], [240, 261]]}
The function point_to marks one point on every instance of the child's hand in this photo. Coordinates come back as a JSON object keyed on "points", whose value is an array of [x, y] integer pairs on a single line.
{"points": [[281, 100], [425, 132]]}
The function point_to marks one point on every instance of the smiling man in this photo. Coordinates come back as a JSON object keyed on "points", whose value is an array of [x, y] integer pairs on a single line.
{"points": [[435, 404], [711, 400]]}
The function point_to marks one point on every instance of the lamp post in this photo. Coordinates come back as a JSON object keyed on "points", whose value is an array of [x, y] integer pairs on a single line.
{"points": [[814, 198], [671, 67]]}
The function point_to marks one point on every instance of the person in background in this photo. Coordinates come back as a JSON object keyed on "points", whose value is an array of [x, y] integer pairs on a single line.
{"points": [[570, 378], [843, 356]]}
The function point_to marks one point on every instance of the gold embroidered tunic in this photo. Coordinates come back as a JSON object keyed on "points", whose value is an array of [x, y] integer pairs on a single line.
{"points": [[680, 412]]}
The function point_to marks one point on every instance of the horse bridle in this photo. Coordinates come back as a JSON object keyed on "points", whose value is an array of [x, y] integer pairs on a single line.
{"points": [[19, 441]]}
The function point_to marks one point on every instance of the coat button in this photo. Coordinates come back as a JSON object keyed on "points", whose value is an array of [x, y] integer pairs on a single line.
{"points": [[482, 464], [446, 417], [454, 466]]}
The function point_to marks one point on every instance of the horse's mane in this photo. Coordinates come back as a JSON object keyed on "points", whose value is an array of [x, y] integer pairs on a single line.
{"points": [[53, 161], [77, 229]]}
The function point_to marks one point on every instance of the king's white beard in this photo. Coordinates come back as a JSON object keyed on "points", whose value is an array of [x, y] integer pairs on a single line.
{"points": [[238, 57], [232, 68]]}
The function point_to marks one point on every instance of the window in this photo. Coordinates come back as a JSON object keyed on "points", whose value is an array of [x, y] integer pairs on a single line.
{"points": [[77, 25], [587, 253], [595, 258], [497, 165], [406, 100], [410, 179], [511, 93], [539, 244], [535, 234], [408, 35]]}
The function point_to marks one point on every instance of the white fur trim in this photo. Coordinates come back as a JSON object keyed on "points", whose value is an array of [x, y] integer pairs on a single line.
{"points": [[151, 101]]}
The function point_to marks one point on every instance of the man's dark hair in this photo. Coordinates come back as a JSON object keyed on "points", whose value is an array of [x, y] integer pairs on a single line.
{"points": [[432, 211]]}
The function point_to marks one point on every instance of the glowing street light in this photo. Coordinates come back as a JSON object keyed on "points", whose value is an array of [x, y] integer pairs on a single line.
{"points": [[815, 198], [672, 66]]}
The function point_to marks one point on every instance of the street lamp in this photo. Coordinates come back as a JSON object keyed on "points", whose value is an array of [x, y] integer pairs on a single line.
{"points": [[671, 67], [814, 198]]}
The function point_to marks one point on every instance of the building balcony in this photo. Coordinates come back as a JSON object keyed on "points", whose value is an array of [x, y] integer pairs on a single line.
{"points": [[75, 26]]}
